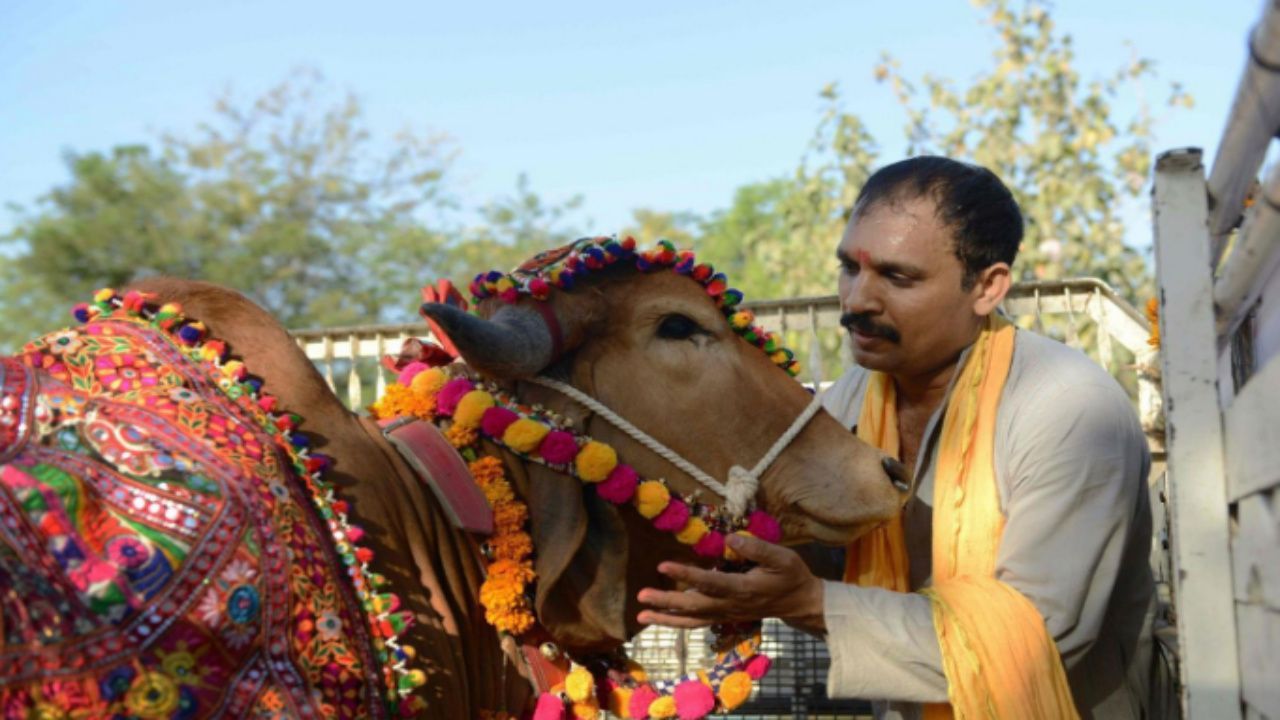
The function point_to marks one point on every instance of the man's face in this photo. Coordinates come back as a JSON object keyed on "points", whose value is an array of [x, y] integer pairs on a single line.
{"points": [[900, 289]]}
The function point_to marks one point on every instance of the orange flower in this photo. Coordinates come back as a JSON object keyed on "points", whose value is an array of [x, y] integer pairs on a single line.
{"points": [[461, 436], [399, 400]]}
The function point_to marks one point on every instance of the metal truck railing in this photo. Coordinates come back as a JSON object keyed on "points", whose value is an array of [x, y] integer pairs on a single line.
{"points": [[1084, 313]]}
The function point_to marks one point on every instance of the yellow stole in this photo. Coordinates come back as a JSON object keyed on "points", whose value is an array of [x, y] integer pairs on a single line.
{"points": [[996, 652]]}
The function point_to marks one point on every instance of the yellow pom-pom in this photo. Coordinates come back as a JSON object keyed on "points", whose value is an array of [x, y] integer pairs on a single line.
{"points": [[579, 685], [524, 435], [104, 295], [729, 554], [231, 368], [735, 689], [663, 707], [693, 531], [595, 461], [471, 407], [588, 710], [651, 498], [504, 284], [429, 381], [742, 319]]}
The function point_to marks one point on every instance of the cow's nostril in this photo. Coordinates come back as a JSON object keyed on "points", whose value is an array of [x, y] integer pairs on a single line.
{"points": [[898, 473]]}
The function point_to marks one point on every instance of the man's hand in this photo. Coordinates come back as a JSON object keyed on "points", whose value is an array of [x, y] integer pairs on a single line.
{"points": [[780, 586]]}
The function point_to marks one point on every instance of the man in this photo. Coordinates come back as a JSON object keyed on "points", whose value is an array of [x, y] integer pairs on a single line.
{"points": [[1016, 580]]}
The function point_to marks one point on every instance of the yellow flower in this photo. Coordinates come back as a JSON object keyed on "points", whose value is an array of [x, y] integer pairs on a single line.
{"points": [[429, 381], [735, 689], [663, 707], [693, 531], [651, 498], [579, 685], [471, 407], [595, 461], [524, 435]]}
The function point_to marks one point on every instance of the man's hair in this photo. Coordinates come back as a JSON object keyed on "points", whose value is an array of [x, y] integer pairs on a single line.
{"points": [[983, 217]]}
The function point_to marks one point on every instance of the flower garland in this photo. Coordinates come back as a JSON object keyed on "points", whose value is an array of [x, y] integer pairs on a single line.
{"points": [[387, 623], [469, 412], [562, 268]]}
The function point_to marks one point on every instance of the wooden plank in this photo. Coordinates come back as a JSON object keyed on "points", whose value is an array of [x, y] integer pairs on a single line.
{"points": [[1255, 551], [1198, 504], [1253, 434], [1260, 658]]}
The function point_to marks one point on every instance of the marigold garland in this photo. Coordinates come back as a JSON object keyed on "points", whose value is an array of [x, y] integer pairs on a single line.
{"points": [[469, 411]]}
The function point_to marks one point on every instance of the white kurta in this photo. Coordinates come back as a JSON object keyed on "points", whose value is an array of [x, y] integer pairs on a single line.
{"points": [[1071, 468]]}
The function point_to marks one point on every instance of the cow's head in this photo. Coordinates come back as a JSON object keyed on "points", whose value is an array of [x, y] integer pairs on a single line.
{"points": [[655, 348]]}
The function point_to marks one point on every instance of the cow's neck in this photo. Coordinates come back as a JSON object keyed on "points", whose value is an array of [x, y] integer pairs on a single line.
{"points": [[438, 576]]}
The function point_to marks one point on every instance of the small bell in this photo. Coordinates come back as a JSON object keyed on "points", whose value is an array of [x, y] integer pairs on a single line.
{"points": [[486, 549], [550, 650]]}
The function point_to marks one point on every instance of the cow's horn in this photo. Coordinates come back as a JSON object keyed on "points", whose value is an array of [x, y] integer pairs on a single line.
{"points": [[514, 343]]}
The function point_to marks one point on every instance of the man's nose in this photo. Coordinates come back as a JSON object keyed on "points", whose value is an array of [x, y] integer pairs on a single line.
{"points": [[859, 295]]}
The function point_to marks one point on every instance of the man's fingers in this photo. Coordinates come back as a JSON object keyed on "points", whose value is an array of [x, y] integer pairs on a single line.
{"points": [[761, 552], [653, 617], [708, 582]]}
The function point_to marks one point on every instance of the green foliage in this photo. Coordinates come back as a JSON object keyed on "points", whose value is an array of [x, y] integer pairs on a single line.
{"points": [[1051, 136], [290, 199], [287, 198]]}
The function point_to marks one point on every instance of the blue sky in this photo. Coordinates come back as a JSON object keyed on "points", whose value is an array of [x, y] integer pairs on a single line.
{"points": [[668, 105]]}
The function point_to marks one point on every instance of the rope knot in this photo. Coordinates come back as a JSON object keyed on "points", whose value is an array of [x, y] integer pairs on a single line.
{"points": [[740, 491]]}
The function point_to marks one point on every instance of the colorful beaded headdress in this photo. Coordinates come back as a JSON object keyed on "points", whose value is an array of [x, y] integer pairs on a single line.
{"points": [[564, 267]]}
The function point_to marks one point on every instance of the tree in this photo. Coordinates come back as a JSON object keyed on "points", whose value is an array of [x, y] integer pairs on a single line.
{"points": [[1053, 138], [512, 229], [286, 198]]}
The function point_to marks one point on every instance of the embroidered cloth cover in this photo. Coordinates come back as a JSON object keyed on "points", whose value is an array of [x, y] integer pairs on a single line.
{"points": [[159, 557]]}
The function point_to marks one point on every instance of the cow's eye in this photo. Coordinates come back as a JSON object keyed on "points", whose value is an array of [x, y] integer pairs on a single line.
{"points": [[678, 327]]}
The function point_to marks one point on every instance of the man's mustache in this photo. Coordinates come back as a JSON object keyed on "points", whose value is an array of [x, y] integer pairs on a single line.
{"points": [[865, 325]]}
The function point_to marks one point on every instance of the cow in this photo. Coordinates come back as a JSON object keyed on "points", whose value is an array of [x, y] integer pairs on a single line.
{"points": [[653, 346]]}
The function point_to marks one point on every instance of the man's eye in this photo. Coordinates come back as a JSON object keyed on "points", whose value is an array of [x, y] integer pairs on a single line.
{"points": [[677, 327]]}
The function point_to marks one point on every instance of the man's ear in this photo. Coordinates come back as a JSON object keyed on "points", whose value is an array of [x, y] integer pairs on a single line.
{"points": [[990, 288]]}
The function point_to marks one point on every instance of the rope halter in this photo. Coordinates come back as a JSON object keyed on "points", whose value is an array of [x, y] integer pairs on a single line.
{"points": [[740, 489]]}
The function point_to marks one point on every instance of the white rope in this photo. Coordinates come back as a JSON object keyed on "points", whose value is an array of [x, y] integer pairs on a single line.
{"points": [[739, 491]]}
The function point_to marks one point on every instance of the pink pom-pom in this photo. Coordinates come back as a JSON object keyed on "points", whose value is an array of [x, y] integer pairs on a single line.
{"points": [[409, 371], [641, 699], [509, 296], [550, 707], [539, 288], [451, 393], [558, 447], [711, 545], [762, 525], [620, 485], [673, 517], [694, 700], [495, 420], [758, 666]]}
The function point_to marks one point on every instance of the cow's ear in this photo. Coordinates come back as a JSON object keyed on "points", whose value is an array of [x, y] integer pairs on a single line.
{"points": [[581, 558]]}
